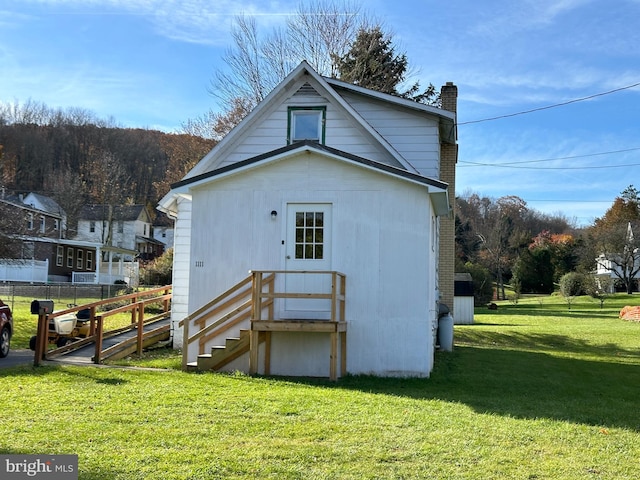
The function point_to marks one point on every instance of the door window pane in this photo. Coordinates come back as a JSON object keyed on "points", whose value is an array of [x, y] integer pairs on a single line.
{"points": [[309, 235]]}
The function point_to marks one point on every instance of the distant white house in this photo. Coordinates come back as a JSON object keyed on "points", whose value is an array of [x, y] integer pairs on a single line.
{"points": [[612, 267], [126, 228], [163, 230]]}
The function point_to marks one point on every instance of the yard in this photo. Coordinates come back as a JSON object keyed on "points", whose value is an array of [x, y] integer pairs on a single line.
{"points": [[531, 391]]}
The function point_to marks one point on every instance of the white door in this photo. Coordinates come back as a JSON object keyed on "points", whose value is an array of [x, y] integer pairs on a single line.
{"points": [[308, 248]]}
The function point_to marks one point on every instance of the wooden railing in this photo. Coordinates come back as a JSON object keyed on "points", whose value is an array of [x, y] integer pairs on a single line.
{"points": [[221, 314], [335, 326], [97, 332], [259, 296], [252, 302]]}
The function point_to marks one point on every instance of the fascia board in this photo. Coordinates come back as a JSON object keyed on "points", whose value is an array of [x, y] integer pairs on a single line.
{"points": [[435, 188], [385, 97]]}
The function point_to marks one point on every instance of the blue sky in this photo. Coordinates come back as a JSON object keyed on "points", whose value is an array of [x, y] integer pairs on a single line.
{"points": [[148, 63]]}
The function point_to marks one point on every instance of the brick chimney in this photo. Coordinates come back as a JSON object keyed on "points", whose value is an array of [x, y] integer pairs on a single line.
{"points": [[448, 160], [449, 97]]}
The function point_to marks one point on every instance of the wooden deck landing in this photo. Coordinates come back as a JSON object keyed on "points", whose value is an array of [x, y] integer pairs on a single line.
{"points": [[337, 331]]}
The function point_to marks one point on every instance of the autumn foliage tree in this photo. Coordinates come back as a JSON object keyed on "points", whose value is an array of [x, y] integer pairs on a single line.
{"points": [[544, 262], [498, 233]]}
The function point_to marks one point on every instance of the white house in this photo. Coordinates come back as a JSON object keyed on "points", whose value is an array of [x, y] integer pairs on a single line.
{"points": [[343, 196], [126, 228], [49, 205], [611, 267], [163, 230]]}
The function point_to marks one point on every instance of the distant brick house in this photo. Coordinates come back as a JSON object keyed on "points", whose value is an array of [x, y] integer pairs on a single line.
{"points": [[43, 252]]}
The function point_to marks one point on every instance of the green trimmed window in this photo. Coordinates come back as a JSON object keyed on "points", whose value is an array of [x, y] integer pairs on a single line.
{"points": [[306, 123]]}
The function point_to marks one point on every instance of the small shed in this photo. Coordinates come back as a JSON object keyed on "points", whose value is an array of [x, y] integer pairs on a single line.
{"points": [[463, 299]]}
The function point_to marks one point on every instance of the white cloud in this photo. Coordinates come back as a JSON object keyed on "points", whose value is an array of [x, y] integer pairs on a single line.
{"points": [[193, 21]]}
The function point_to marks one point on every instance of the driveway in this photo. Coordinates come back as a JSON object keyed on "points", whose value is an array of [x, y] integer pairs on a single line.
{"points": [[17, 357]]}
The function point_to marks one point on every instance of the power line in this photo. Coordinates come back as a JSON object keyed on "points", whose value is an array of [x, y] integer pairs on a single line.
{"points": [[563, 158], [571, 157], [551, 106], [478, 164], [550, 200]]}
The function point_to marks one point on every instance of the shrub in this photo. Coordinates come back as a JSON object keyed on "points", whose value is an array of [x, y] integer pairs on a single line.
{"points": [[571, 286], [158, 271], [482, 284]]}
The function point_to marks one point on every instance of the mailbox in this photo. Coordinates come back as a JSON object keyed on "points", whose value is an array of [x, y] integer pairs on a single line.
{"points": [[41, 307]]}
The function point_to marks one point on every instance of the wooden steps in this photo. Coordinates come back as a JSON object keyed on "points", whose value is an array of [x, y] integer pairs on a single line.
{"points": [[221, 355]]}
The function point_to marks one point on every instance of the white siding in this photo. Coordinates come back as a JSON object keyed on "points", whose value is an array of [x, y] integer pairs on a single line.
{"points": [[342, 133], [125, 239], [181, 269], [381, 241], [413, 135], [164, 235], [85, 234]]}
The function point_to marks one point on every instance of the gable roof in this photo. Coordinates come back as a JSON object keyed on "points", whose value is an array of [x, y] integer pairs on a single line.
{"points": [[437, 188], [48, 204], [329, 88], [210, 165], [447, 119], [18, 202], [126, 213]]}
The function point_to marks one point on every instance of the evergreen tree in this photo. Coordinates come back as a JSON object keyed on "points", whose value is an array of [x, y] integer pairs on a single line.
{"points": [[372, 63]]}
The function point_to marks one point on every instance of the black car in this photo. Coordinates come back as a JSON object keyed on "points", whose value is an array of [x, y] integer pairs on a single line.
{"points": [[6, 329]]}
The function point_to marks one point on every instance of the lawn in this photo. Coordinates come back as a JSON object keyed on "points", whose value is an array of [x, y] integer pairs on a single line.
{"points": [[531, 391]]}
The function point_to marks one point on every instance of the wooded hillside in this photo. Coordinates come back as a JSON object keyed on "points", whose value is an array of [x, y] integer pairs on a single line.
{"points": [[77, 159]]}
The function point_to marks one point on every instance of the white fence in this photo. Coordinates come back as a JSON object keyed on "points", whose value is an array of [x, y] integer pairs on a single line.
{"points": [[32, 271], [127, 272], [37, 271]]}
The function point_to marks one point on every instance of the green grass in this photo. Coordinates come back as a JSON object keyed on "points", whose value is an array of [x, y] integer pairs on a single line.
{"points": [[531, 391]]}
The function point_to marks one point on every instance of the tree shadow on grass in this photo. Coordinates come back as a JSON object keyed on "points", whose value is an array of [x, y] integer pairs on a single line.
{"points": [[544, 343], [533, 311], [523, 384]]}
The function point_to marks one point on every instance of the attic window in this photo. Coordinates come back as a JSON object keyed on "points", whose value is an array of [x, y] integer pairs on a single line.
{"points": [[306, 123]]}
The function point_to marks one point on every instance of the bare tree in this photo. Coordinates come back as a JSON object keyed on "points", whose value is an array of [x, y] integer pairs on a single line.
{"points": [[215, 126], [107, 178], [322, 32], [12, 224], [620, 252], [597, 287], [319, 32], [67, 188], [616, 238]]}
